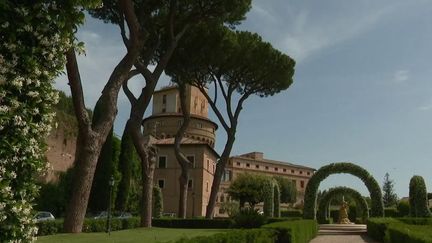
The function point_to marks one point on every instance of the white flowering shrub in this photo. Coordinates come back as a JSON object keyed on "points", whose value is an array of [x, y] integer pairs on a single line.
{"points": [[34, 35]]}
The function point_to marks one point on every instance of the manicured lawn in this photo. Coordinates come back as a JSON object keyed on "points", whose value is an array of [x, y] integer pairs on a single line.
{"points": [[129, 236]]}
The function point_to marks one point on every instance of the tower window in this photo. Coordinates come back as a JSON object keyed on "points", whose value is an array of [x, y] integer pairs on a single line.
{"points": [[164, 99], [163, 110], [257, 166], [161, 183], [191, 159], [162, 163]]}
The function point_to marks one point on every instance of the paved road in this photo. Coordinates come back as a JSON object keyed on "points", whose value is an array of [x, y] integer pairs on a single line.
{"points": [[334, 233]]}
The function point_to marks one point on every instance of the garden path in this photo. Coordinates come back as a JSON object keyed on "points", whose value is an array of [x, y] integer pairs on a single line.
{"points": [[336, 233]]}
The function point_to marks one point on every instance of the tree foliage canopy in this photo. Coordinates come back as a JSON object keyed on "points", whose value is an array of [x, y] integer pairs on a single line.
{"points": [[389, 195], [248, 188], [288, 190]]}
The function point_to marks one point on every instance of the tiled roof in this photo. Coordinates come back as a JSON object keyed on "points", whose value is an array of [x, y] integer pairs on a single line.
{"points": [[166, 141]]}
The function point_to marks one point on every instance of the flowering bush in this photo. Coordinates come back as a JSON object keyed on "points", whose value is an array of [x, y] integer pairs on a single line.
{"points": [[34, 36]]}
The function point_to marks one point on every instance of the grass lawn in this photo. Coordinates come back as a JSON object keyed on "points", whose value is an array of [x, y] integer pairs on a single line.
{"points": [[144, 235]]}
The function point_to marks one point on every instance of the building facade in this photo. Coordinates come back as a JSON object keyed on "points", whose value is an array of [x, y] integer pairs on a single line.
{"points": [[198, 146]]}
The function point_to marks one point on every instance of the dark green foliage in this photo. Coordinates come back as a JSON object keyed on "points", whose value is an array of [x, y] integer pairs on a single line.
{"points": [[276, 201], [157, 202], [403, 233], [248, 188], [361, 203], [288, 191], [248, 218], [199, 223], [128, 166], [268, 194], [416, 221], [292, 213], [90, 225], [377, 207], [391, 212], [105, 169], [403, 208], [274, 220], [418, 198], [54, 197], [376, 227], [389, 195], [299, 231], [236, 236]]}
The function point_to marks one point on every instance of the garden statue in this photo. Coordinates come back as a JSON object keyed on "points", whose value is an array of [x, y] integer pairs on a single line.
{"points": [[343, 213]]}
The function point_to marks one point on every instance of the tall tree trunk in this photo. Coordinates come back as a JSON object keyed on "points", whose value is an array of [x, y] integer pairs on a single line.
{"points": [[92, 134], [180, 156], [147, 192], [220, 169], [89, 146]]}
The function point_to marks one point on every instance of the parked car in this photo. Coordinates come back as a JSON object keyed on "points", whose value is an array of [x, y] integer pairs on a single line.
{"points": [[124, 215], [101, 215], [44, 216]]}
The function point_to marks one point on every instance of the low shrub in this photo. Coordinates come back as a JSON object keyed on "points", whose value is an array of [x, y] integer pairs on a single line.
{"points": [[236, 236], [274, 220], [403, 208], [416, 221], [391, 212], [298, 231], [50, 227], [402, 233], [197, 223], [376, 227], [248, 218], [292, 213]]}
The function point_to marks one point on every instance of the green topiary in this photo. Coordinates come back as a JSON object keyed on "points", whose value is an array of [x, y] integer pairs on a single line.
{"points": [[249, 218], [418, 198], [276, 201], [157, 202], [377, 207], [325, 200]]}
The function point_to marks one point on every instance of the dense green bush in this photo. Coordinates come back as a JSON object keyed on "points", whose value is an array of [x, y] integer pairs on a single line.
{"points": [[274, 220], [323, 206], [292, 213], [298, 231], [403, 233], [157, 202], [197, 223], [416, 221], [418, 198], [377, 227], [236, 236], [377, 207], [276, 201], [403, 208], [90, 225], [391, 212], [248, 218]]}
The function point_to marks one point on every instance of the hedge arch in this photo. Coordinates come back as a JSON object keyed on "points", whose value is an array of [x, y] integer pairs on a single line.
{"points": [[418, 198], [325, 201], [377, 207]]}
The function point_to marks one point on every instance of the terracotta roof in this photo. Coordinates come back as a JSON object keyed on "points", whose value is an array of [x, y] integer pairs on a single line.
{"points": [[269, 161]]}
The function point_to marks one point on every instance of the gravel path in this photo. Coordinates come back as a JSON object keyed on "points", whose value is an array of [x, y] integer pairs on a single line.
{"points": [[337, 233]]}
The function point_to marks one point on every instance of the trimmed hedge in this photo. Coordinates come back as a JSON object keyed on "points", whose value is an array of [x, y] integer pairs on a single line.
{"points": [[332, 192], [376, 227], [299, 231], [418, 200], [416, 221], [391, 212], [377, 207], [90, 225], [198, 223], [292, 213], [403, 233], [236, 236]]}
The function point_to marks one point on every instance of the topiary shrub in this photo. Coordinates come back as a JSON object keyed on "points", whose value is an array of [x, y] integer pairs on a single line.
{"points": [[361, 203], [418, 198], [292, 213], [403, 208], [377, 207], [297, 231], [268, 207], [157, 202], [249, 218], [276, 201]]}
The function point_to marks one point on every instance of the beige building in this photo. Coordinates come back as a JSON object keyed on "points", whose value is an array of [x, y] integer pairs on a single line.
{"points": [[198, 146]]}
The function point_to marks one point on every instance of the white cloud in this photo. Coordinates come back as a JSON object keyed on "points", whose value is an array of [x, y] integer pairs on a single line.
{"points": [[400, 76], [425, 107]]}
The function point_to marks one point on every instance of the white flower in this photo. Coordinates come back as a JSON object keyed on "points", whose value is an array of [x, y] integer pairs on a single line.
{"points": [[5, 24]]}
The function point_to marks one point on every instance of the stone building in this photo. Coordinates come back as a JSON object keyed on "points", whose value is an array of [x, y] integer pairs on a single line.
{"points": [[198, 145]]}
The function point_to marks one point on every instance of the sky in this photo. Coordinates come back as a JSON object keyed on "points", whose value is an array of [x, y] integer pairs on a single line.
{"points": [[362, 88]]}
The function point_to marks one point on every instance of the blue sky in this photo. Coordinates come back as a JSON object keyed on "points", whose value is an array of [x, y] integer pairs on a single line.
{"points": [[361, 91]]}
